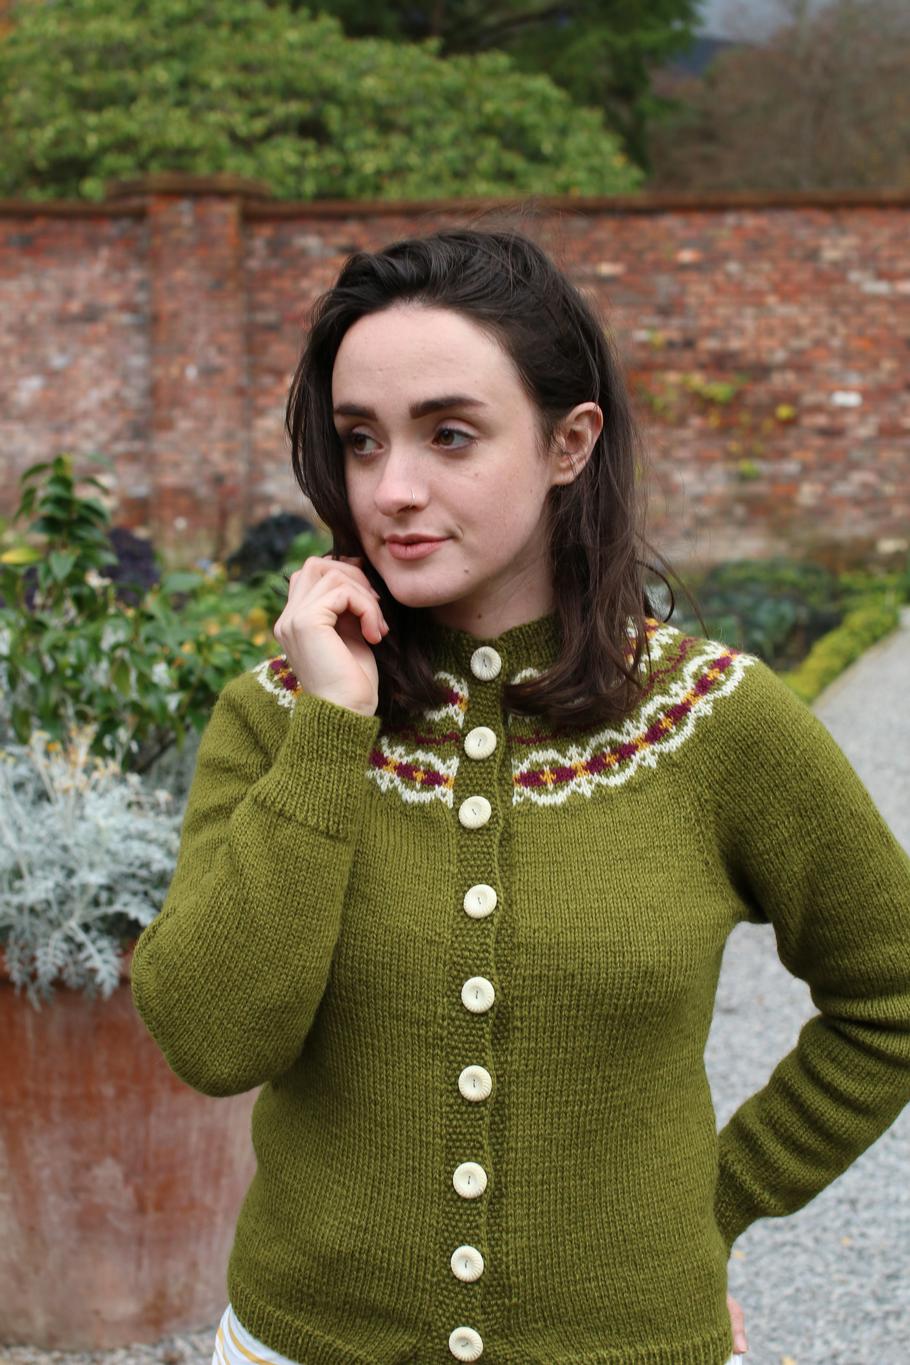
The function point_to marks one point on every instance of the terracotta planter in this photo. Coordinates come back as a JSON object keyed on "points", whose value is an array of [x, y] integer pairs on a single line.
{"points": [[119, 1185]]}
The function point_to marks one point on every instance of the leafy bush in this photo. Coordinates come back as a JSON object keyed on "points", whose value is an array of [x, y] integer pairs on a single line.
{"points": [[98, 89], [860, 585], [86, 855], [775, 608], [72, 655], [268, 545], [134, 570]]}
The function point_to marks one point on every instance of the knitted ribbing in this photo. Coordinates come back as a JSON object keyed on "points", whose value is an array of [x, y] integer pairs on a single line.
{"points": [[484, 1114]]}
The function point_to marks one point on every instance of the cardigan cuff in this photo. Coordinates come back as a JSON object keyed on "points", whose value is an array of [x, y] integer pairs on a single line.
{"points": [[318, 777]]}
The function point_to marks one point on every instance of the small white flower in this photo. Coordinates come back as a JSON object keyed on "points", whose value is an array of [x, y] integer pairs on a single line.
{"points": [[96, 580], [161, 674]]}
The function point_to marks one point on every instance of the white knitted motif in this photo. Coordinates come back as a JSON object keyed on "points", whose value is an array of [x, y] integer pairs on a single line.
{"points": [[404, 766], [610, 756], [265, 674]]}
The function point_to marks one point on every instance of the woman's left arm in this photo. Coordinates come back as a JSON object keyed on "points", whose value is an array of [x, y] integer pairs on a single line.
{"points": [[803, 843]]}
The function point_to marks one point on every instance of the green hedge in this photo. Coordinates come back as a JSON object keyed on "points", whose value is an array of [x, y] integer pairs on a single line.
{"points": [[865, 624]]}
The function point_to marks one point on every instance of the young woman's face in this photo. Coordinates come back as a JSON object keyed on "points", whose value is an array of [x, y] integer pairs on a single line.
{"points": [[468, 472]]}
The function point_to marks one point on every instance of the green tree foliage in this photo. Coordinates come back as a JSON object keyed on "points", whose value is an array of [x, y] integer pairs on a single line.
{"points": [[94, 90], [602, 52]]}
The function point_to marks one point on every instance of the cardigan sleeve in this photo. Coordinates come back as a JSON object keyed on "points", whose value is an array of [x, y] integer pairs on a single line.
{"points": [[804, 845], [230, 973]]}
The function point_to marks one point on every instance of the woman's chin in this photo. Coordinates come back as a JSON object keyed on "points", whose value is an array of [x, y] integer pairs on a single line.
{"points": [[420, 591]]}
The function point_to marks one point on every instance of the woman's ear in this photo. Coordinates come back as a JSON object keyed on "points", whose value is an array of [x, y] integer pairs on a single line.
{"points": [[575, 438]]}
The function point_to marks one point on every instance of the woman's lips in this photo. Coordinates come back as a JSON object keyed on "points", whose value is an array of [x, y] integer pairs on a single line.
{"points": [[416, 550]]}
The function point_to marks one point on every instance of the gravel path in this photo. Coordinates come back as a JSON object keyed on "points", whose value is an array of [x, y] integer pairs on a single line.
{"points": [[829, 1285]]}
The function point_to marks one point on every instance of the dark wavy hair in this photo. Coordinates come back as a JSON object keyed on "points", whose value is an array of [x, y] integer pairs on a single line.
{"points": [[507, 285]]}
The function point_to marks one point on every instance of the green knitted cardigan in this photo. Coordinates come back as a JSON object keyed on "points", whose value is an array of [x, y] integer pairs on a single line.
{"points": [[472, 963]]}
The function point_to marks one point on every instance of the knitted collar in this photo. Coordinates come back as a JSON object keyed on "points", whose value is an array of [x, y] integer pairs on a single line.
{"points": [[534, 643]]}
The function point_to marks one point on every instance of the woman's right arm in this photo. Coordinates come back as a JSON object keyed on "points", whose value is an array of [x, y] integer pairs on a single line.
{"points": [[230, 973]]}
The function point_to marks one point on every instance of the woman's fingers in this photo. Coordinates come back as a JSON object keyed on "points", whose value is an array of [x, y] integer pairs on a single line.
{"points": [[330, 581], [330, 621], [738, 1323], [354, 563], [368, 611]]}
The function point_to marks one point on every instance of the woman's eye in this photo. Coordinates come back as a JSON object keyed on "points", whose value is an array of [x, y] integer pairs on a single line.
{"points": [[353, 436], [455, 431]]}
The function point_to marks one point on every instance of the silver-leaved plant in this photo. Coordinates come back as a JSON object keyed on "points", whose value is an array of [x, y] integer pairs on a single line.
{"points": [[86, 855]]}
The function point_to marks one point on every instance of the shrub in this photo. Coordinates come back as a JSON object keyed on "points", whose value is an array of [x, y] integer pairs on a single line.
{"points": [[86, 856], [775, 608], [861, 627], [98, 89], [270, 543], [71, 655]]}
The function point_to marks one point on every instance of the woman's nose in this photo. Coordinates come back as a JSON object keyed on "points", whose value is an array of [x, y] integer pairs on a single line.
{"points": [[393, 493]]}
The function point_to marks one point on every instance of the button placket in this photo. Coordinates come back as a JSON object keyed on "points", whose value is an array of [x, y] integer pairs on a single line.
{"points": [[477, 995]]}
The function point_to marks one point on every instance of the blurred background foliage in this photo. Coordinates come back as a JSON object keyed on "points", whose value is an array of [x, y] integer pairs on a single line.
{"points": [[601, 52], [821, 103], [779, 608], [92, 633], [96, 90], [445, 98]]}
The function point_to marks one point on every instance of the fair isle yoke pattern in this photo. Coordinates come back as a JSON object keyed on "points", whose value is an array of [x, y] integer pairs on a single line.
{"points": [[688, 676], [401, 763], [419, 762]]}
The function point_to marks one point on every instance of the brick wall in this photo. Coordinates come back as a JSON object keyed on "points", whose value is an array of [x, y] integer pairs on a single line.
{"points": [[765, 340]]}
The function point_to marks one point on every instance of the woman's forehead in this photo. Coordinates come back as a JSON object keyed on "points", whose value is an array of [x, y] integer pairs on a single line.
{"points": [[422, 352]]}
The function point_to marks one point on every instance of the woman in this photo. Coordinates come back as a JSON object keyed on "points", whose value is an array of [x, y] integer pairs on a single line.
{"points": [[458, 867]]}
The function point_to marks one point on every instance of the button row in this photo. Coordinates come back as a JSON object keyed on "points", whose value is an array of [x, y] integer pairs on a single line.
{"points": [[477, 995]]}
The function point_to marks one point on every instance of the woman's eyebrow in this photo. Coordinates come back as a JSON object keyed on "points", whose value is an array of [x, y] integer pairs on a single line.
{"points": [[422, 409]]}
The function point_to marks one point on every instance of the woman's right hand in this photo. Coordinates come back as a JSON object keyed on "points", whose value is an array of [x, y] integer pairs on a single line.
{"points": [[329, 625]]}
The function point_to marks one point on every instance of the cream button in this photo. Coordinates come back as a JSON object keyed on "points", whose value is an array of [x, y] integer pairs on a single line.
{"points": [[479, 901], [480, 742], [465, 1343], [469, 1179], [485, 663], [477, 994], [467, 1263], [474, 811], [475, 1082]]}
